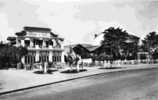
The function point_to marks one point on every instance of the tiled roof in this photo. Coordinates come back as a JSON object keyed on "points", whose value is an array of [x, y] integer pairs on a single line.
{"points": [[92, 48], [11, 38], [28, 28], [89, 47]]}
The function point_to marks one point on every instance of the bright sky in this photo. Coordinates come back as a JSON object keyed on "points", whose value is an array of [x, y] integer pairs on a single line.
{"points": [[78, 20]]}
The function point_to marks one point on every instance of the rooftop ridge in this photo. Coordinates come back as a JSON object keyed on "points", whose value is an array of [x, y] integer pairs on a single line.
{"points": [[32, 28]]}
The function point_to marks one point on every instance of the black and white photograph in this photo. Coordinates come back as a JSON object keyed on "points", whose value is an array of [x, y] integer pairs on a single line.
{"points": [[78, 49]]}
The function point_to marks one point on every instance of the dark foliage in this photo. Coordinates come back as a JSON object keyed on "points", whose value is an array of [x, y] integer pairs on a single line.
{"points": [[10, 55], [150, 44], [118, 44]]}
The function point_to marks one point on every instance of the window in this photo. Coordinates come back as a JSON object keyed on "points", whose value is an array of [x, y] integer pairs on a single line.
{"points": [[30, 58]]}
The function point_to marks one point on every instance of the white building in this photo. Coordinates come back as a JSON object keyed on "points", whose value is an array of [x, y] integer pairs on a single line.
{"points": [[42, 44]]}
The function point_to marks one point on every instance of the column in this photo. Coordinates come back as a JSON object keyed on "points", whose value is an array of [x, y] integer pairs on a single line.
{"points": [[50, 56], [45, 67], [31, 43], [62, 47], [23, 60], [23, 43], [54, 43], [62, 52], [17, 42], [62, 57], [37, 56], [44, 43]]}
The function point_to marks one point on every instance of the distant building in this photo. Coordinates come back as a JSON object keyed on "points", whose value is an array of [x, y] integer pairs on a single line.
{"points": [[84, 50], [42, 44]]}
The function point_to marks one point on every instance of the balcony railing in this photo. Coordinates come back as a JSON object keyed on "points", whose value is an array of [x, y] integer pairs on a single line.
{"points": [[37, 47]]}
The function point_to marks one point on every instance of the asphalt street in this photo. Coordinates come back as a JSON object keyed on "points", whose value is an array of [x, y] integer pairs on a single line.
{"points": [[126, 85]]}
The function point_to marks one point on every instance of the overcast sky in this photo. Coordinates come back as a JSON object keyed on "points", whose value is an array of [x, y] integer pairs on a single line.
{"points": [[78, 20]]}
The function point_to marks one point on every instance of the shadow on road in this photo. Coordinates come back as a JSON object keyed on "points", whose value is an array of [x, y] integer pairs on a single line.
{"points": [[111, 68], [50, 71], [74, 71]]}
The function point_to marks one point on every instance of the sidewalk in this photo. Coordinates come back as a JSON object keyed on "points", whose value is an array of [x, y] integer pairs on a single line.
{"points": [[13, 80]]}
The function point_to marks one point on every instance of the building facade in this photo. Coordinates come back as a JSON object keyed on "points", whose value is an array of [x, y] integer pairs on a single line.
{"points": [[42, 44]]}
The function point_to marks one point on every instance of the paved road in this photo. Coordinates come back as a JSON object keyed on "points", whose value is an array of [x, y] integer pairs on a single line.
{"points": [[133, 85]]}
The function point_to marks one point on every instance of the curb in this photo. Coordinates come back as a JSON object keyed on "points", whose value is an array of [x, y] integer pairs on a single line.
{"points": [[42, 85]]}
